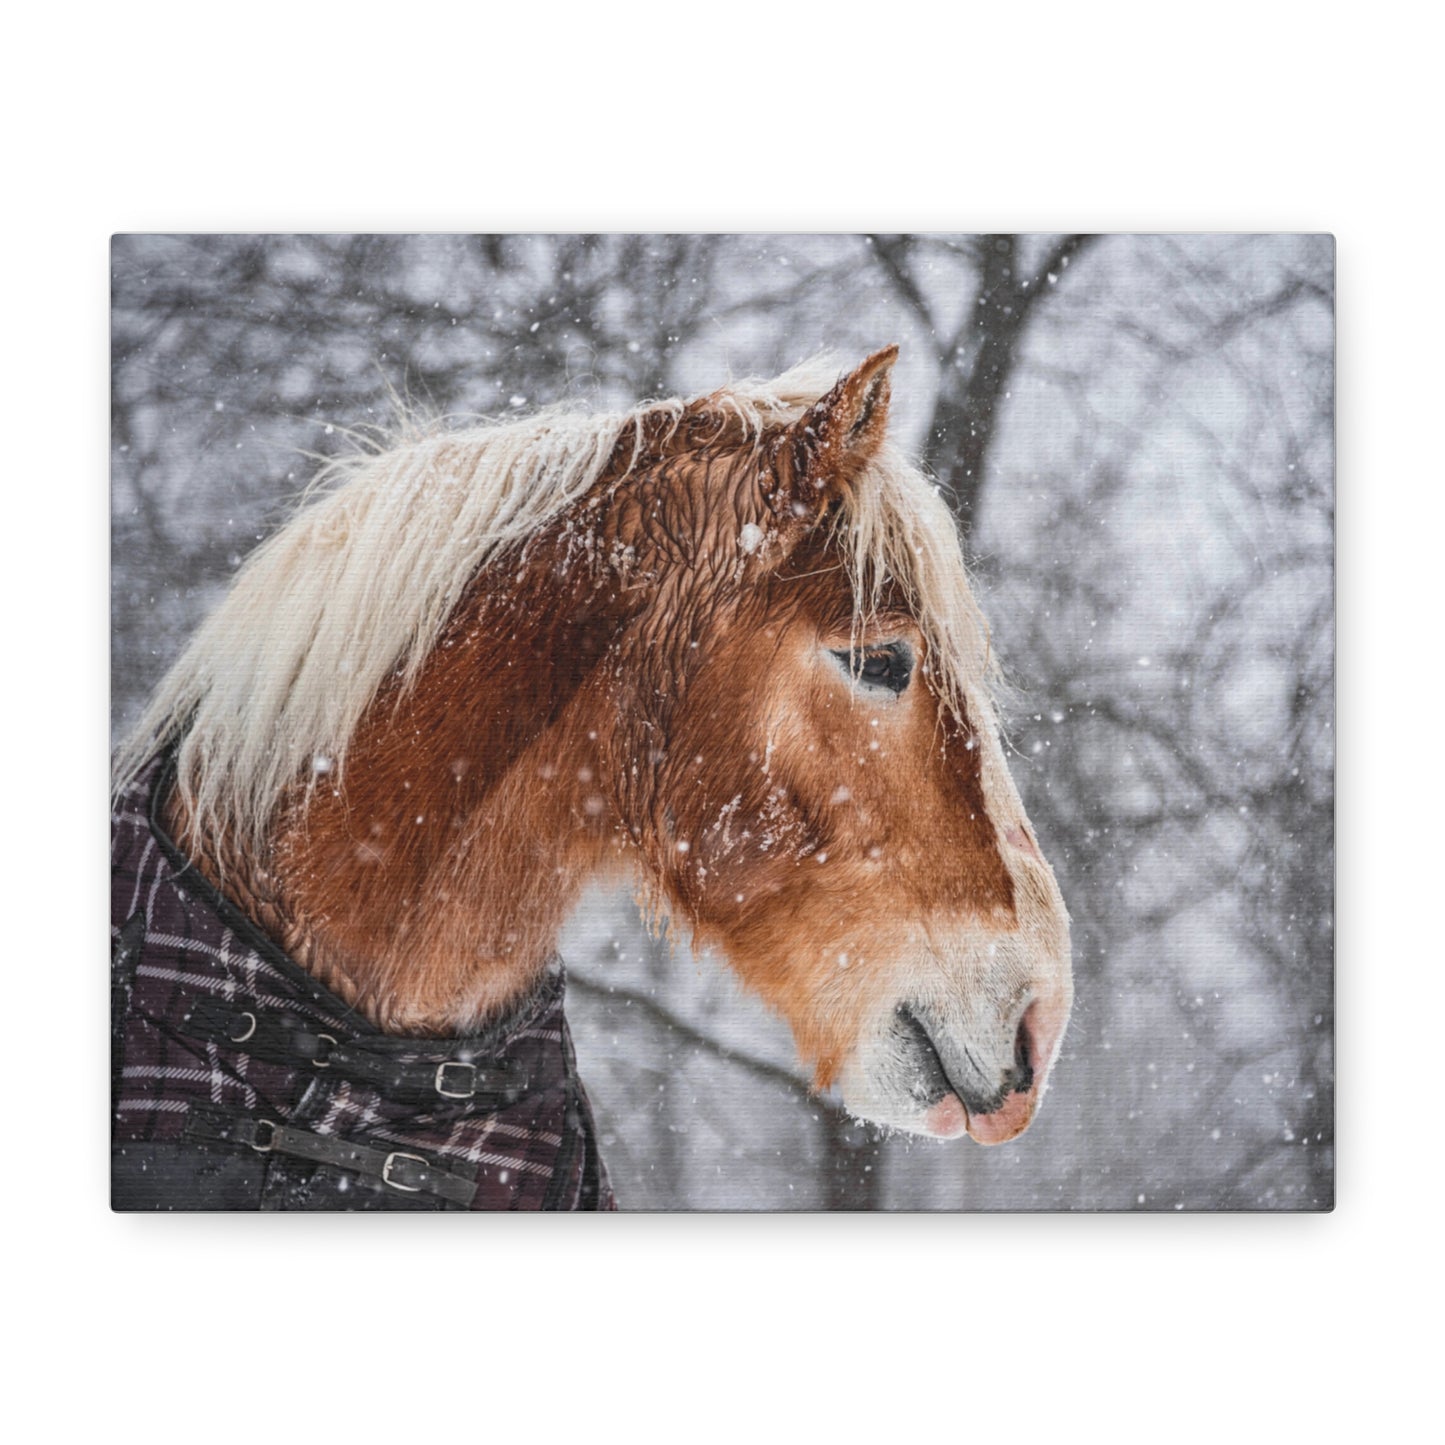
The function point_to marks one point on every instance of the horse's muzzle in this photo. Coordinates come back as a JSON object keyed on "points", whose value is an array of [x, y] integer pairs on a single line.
{"points": [[988, 1089]]}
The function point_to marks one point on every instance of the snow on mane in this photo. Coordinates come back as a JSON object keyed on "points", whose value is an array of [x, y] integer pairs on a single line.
{"points": [[360, 582]]}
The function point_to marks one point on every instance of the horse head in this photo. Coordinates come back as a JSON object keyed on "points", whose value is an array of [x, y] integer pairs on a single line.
{"points": [[795, 735]]}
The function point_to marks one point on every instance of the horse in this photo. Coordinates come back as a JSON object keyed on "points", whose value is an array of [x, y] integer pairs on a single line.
{"points": [[727, 644]]}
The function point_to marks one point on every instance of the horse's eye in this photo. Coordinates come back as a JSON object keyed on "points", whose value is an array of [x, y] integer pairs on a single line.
{"points": [[889, 665]]}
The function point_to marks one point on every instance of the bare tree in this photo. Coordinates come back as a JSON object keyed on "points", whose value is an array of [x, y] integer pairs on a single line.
{"points": [[977, 351]]}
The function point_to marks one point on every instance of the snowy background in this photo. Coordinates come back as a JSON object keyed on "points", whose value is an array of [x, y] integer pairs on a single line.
{"points": [[1137, 434]]}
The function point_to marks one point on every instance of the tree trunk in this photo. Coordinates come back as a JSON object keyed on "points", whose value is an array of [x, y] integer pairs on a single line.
{"points": [[852, 1161]]}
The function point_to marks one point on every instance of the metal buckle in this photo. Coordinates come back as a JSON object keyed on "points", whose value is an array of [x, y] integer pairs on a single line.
{"points": [[241, 1038], [326, 1062], [266, 1145], [395, 1184], [447, 1093]]}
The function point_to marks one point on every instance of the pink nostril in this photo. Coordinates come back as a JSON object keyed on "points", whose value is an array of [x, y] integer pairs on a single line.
{"points": [[1039, 1033], [1022, 1079], [1020, 839]]}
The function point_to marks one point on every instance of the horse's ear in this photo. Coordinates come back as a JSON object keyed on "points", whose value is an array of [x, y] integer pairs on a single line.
{"points": [[836, 437]]}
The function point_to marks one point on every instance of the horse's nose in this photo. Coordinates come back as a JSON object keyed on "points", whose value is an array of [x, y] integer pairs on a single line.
{"points": [[949, 1060], [1036, 1040]]}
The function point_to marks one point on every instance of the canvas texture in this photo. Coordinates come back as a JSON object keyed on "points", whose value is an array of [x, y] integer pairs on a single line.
{"points": [[1131, 441]]}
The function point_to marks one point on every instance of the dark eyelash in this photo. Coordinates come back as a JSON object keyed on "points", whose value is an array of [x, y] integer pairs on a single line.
{"points": [[888, 665]]}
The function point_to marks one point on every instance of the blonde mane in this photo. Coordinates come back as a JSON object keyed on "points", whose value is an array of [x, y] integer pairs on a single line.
{"points": [[358, 585]]}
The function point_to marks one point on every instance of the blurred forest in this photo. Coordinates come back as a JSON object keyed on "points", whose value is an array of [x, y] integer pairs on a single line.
{"points": [[1137, 436]]}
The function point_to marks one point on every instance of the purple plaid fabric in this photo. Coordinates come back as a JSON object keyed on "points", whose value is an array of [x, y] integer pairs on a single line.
{"points": [[178, 946]]}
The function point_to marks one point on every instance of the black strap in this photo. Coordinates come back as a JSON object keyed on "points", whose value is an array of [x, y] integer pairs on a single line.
{"points": [[280, 1040], [399, 1169]]}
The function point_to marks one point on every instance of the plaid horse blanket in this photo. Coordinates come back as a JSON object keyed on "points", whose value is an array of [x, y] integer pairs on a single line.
{"points": [[238, 1082]]}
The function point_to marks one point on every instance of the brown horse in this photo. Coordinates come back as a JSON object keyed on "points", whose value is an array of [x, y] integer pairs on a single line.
{"points": [[728, 642]]}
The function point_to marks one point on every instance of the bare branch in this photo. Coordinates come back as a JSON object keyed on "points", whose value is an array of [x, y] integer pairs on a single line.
{"points": [[891, 253], [758, 1068]]}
